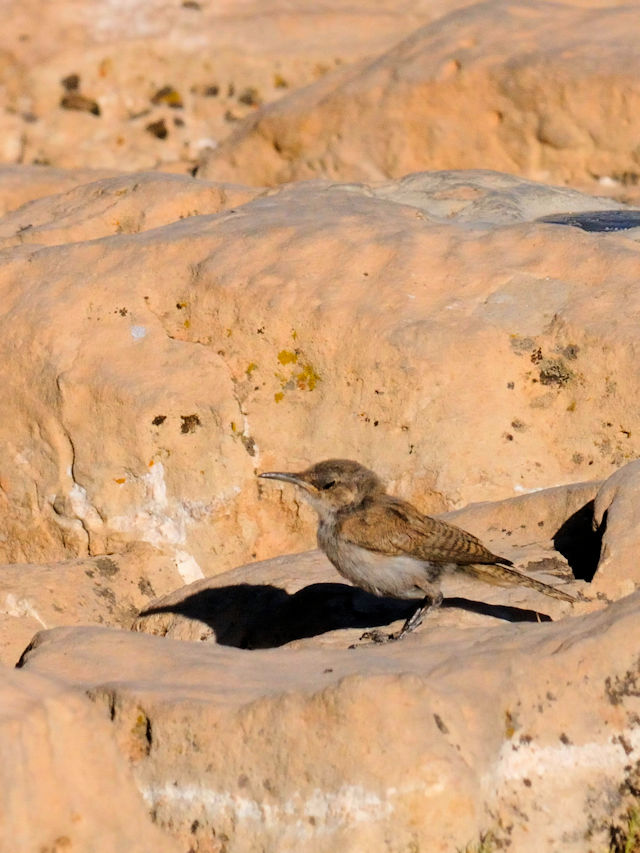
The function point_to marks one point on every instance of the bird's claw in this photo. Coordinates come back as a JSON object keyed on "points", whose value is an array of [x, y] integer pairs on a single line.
{"points": [[374, 637]]}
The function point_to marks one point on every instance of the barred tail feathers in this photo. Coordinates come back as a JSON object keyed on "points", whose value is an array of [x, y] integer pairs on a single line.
{"points": [[501, 575]]}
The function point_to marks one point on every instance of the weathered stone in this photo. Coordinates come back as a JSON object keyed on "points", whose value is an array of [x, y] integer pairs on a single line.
{"points": [[106, 590], [64, 784], [300, 599], [204, 57], [22, 184], [617, 519], [468, 334], [525, 730], [116, 205], [532, 88], [153, 373]]}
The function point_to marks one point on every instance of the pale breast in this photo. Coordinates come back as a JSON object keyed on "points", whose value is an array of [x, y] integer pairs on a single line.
{"points": [[398, 576]]}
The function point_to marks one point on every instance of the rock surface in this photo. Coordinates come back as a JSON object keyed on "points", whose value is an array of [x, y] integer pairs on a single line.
{"points": [[63, 783], [446, 84], [532, 88], [491, 698], [617, 518], [21, 184], [133, 86], [116, 205], [171, 324], [105, 590], [154, 373], [278, 748], [301, 600]]}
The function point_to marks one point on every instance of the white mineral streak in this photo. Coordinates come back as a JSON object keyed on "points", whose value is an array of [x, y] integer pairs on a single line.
{"points": [[19, 607]]}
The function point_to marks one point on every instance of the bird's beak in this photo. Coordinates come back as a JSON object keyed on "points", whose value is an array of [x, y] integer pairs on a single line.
{"points": [[296, 479]]}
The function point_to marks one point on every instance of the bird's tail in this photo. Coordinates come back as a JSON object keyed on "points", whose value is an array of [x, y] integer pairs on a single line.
{"points": [[504, 576]]}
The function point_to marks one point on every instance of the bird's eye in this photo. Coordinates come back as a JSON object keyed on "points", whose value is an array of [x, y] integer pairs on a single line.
{"points": [[328, 485]]}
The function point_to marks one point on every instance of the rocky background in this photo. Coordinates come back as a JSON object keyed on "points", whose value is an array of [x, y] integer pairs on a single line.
{"points": [[246, 236]]}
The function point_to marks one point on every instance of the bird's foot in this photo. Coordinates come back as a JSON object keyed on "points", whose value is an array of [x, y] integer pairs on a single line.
{"points": [[374, 637], [580, 596]]}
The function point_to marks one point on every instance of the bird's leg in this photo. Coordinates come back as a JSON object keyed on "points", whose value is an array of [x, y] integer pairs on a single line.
{"points": [[429, 602]]}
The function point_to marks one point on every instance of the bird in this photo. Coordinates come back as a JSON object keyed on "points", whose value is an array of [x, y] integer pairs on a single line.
{"points": [[386, 546]]}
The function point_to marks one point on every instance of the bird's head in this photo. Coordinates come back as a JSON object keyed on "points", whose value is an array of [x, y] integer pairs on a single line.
{"points": [[332, 485]]}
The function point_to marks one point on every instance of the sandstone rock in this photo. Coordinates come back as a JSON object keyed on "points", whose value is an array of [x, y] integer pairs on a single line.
{"points": [[484, 198], [467, 85], [123, 204], [617, 518], [275, 602], [64, 784], [164, 338], [120, 59], [288, 599], [22, 184], [152, 374], [108, 590], [312, 605], [532, 88], [528, 731]]}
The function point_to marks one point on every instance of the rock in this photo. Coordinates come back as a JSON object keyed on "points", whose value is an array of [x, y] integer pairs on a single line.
{"points": [[22, 184], [486, 84], [617, 519], [79, 102], [311, 600], [63, 782], [116, 205], [432, 328], [106, 590], [287, 600], [484, 198], [444, 84], [527, 731], [116, 60], [275, 602], [167, 335]]}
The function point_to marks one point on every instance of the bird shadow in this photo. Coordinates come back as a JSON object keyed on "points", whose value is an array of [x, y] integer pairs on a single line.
{"points": [[249, 616]]}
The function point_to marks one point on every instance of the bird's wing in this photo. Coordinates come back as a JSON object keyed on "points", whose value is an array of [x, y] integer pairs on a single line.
{"points": [[394, 527]]}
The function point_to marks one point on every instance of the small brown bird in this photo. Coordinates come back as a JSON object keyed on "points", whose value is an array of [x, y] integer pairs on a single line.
{"points": [[386, 546]]}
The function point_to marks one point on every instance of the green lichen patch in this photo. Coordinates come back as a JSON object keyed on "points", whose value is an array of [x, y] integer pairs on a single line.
{"points": [[486, 843], [625, 835]]}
